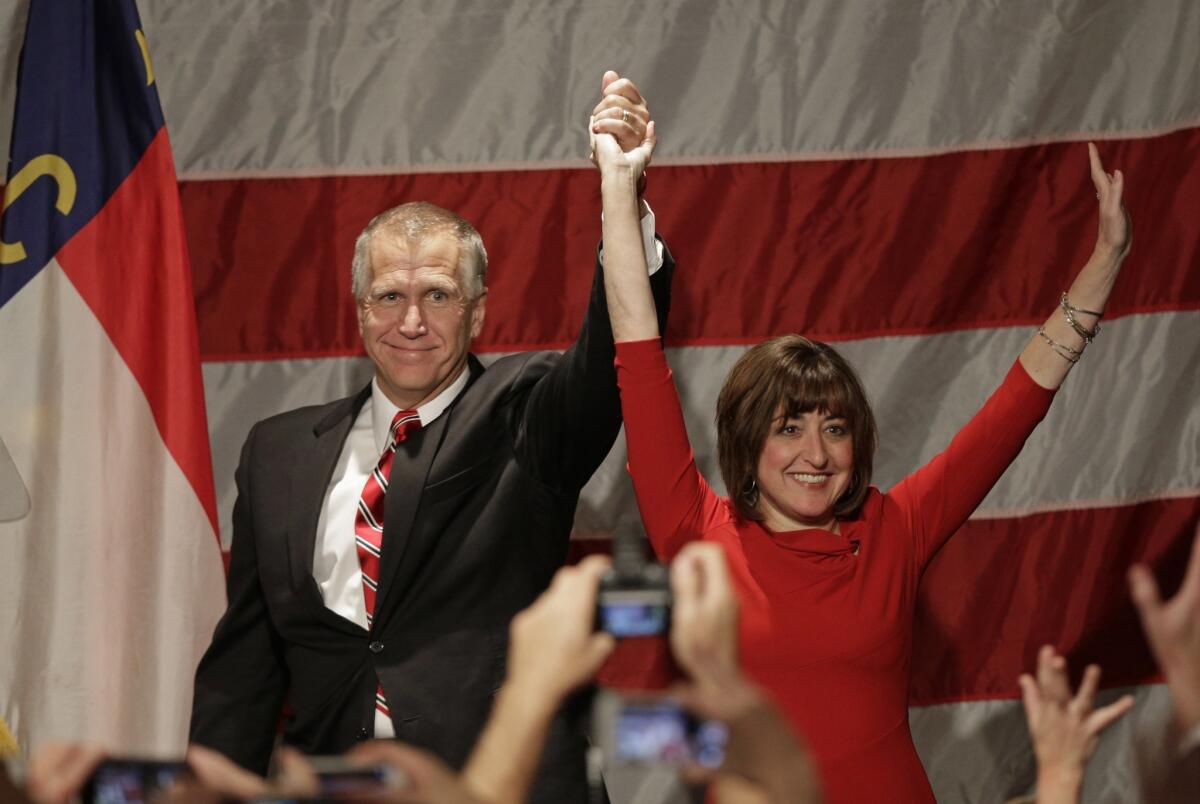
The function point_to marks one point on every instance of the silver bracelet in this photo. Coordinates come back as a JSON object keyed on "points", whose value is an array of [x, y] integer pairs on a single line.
{"points": [[1075, 309], [1065, 352], [1069, 311]]}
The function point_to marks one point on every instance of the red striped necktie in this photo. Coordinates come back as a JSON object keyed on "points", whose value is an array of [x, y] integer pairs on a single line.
{"points": [[368, 522]]}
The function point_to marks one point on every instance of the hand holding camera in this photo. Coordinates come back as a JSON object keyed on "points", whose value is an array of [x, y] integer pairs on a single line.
{"points": [[718, 726], [553, 648]]}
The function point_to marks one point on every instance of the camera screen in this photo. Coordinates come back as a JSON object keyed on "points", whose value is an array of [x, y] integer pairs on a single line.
{"points": [[654, 732], [661, 732], [118, 782], [633, 619]]}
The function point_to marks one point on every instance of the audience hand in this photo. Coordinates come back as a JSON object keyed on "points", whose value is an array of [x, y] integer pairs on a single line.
{"points": [[58, 771], [553, 648], [430, 781], [1173, 631], [1064, 728], [704, 614], [763, 750], [218, 778]]}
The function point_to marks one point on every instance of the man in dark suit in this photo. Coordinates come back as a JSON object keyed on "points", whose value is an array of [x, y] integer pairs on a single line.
{"points": [[477, 505]]}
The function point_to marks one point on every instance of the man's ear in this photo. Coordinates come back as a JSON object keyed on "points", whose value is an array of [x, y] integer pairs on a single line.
{"points": [[478, 312], [361, 312]]}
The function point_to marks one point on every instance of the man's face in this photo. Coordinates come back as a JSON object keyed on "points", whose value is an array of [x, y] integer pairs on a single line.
{"points": [[416, 321]]}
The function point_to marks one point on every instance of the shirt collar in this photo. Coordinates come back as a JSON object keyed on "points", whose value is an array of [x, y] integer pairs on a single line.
{"points": [[383, 410]]}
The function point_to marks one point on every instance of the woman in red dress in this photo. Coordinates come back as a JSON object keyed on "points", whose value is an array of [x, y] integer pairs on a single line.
{"points": [[826, 566]]}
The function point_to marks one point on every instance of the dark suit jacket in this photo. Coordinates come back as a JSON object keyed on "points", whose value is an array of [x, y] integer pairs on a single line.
{"points": [[477, 520]]}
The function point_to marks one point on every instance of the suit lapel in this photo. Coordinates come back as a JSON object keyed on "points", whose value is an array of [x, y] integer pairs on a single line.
{"points": [[310, 475], [402, 551]]}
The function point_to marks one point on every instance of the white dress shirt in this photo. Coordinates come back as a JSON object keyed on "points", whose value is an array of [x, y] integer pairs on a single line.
{"points": [[336, 567]]}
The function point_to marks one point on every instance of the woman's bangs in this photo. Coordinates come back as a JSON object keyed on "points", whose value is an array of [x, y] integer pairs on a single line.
{"points": [[817, 386]]}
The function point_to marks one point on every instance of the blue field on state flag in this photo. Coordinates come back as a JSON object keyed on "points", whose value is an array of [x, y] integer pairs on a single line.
{"points": [[87, 108]]}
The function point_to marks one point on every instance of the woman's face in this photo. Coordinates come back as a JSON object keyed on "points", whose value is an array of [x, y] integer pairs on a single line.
{"points": [[805, 466]]}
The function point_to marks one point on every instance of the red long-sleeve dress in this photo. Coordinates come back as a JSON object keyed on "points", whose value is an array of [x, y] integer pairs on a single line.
{"points": [[826, 619]]}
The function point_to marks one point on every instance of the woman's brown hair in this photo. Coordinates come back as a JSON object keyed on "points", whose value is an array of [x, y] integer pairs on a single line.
{"points": [[795, 375]]}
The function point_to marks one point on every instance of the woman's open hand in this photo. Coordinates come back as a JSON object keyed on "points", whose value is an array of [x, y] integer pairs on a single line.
{"points": [[1116, 231]]}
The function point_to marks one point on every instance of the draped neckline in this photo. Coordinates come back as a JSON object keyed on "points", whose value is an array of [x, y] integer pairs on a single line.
{"points": [[814, 542]]}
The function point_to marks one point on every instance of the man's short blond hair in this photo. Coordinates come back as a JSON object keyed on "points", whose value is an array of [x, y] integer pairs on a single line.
{"points": [[417, 221]]}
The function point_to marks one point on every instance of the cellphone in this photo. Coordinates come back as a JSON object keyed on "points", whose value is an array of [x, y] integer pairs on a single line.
{"points": [[117, 781], [655, 730], [337, 776]]}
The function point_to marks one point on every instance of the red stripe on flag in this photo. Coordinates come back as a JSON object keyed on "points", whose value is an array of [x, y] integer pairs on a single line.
{"points": [[1002, 588], [839, 249], [130, 264]]}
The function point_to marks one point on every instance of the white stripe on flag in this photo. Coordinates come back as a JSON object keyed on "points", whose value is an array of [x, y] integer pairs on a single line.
{"points": [[730, 81], [116, 559], [923, 389]]}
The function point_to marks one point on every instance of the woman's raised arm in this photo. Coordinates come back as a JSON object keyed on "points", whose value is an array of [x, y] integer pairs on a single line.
{"points": [[1061, 340], [626, 281]]}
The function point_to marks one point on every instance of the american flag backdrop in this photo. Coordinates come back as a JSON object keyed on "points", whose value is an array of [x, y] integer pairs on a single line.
{"points": [[906, 179]]}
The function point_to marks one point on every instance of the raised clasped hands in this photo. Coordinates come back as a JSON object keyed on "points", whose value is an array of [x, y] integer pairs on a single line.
{"points": [[621, 133], [1115, 235]]}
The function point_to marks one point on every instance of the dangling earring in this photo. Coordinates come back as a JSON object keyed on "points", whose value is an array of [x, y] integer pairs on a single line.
{"points": [[750, 492]]}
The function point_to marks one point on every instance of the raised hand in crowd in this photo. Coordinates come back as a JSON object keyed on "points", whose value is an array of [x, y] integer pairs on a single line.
{"points": [[764, 760], [552, 651], [1168, 760], [704, 614], [1173, 630], [1064, 728]]}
